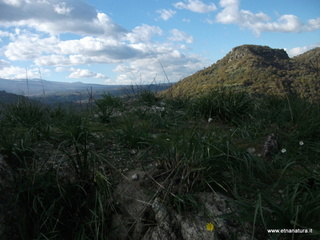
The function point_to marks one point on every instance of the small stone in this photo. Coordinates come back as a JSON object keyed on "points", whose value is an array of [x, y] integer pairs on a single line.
{"points": [[271, 146], [135, 177], [251, 150]]}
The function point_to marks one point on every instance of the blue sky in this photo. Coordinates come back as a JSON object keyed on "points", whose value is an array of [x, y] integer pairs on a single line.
{"points": [[143, 41]]}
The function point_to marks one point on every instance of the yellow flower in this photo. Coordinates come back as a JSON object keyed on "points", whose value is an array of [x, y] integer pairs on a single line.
{"points": [[210, 227]]}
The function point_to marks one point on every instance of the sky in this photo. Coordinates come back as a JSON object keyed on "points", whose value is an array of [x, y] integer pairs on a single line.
{"points": [[143, 41]]}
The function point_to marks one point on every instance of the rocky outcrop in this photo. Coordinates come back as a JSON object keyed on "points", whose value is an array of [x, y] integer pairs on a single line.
{"points": [[269, 54], [141, 215]]}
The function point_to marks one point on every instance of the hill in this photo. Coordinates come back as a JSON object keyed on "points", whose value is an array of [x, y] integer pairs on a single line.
{"points": [[37, 87], [8, 98], [257, 69], [51, 92]]}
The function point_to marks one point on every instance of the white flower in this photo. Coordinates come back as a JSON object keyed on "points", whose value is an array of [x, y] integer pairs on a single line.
{"points": [[301, 143], [283, 150], [210, 120]]}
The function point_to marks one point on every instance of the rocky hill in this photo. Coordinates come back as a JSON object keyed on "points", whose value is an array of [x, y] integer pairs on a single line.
{"points": [[259, 70]]}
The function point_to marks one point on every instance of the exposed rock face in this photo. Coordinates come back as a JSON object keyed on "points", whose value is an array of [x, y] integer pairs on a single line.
{"points": [[265, 52], [142, 216]]}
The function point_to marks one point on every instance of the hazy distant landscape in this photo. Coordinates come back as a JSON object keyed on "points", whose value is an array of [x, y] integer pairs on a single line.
{"points": [[52, 92]]}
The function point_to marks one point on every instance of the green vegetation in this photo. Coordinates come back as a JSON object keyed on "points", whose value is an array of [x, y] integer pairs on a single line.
{"points": [[259, 70], [60, 167]]}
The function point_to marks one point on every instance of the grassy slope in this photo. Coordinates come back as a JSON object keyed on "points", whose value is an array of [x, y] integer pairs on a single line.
{"points": [[259, 70]]}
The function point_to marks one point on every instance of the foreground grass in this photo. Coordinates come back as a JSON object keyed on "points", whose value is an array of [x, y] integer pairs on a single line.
{"points": [[61, 166]]}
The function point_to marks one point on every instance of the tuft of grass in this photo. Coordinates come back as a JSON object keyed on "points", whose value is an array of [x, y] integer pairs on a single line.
{"points": [[26, 113], [107, 106], [226, 105], [292, 114]]}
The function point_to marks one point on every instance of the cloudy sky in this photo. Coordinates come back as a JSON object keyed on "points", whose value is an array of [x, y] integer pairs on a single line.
{"points": [[143, 41]]}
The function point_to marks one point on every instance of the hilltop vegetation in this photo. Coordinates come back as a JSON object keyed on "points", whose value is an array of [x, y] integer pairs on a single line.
{"points": [[260, 70], [146, 167]]}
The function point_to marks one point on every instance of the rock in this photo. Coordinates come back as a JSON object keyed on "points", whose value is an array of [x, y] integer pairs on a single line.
{"points": [[135, 177], [271, 145], [265, 52], [192, 226], [165, 228], [143, 216], [132, 204], [251, 150]]}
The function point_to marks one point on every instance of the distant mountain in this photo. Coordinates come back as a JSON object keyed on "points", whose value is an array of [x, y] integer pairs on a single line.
{"points": [[257, 69], [34, 87], [51, 92]]}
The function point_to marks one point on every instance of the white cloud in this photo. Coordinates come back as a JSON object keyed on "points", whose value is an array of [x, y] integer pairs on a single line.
{"points": [[52, 60], [51, 51], [61, 69], [179, 36], [62, 8], [313, 24], [176, 66], [3, 64], [261, 22], [94, 48], [299, 50], [143, 33], [55, 16], [196, 6], [166, 14], [86, 73], [30, 46], [230, 13], [5, 34], [14, 72], [15, 3]]}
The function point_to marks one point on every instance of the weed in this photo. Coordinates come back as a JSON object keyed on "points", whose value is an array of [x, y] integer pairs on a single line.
{"points": [[107, 105], [26, 113], [228, 106]]}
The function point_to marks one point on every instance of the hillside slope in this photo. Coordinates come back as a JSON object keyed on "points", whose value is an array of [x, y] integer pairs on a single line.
{"points": [[256, 69]]}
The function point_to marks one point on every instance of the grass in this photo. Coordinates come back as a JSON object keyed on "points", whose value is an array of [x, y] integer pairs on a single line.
{"points": [[61, 167]]}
